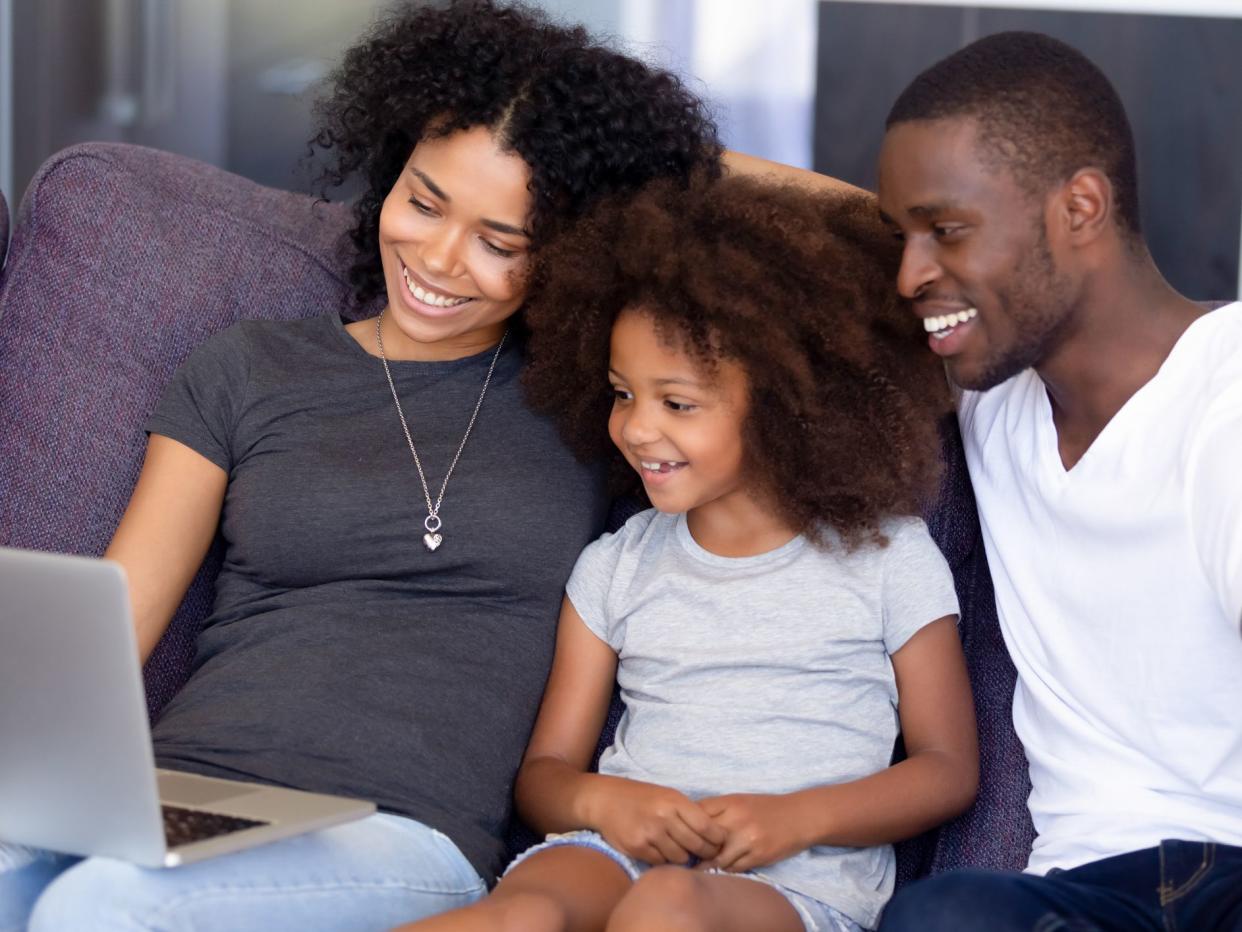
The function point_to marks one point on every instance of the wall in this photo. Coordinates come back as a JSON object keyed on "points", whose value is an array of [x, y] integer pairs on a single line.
{"points": [[1180, 78]]}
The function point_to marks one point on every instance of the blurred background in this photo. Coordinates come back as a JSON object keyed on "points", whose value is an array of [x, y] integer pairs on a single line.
{"points": [[806, 82]]}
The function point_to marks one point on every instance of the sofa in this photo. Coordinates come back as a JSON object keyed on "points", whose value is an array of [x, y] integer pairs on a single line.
{"points": [[124, 258]]}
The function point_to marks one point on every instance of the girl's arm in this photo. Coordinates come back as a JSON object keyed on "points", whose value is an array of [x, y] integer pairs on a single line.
{"points": [[738, 163], [936, 781], [165, 532], [554, 791]]}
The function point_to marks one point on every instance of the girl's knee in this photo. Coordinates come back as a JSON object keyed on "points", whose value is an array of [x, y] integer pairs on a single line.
{"points": [[527, 911], [664, 898]]}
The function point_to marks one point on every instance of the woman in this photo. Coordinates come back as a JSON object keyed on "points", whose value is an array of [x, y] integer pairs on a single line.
{"points": [[398, 525]]}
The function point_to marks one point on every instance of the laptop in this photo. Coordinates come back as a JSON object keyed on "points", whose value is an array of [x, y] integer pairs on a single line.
{"points": [[77, 771]]}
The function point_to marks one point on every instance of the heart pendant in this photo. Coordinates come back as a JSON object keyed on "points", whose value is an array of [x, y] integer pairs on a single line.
{"points": [[433, 540]]}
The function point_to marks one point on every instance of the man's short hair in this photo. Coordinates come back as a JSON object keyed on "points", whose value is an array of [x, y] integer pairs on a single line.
{"points": [[1044, 111]]}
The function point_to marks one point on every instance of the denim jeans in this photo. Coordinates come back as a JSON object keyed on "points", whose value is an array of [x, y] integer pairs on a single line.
{"points": [[369, 874], [1179, 886]]}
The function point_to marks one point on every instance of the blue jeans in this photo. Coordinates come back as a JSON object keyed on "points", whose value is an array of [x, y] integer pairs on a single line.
{"points": [[1180, 886], [369, 874]]}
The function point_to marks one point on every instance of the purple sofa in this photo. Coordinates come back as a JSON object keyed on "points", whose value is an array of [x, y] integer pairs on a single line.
{"points": [[4, 228], [123, 259]]}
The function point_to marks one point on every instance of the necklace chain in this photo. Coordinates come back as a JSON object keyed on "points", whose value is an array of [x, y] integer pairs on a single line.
{"points": [[432, 523]]}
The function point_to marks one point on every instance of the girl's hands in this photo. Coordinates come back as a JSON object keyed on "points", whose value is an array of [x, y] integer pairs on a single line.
{"points": [[654, 823], [762, 829]]}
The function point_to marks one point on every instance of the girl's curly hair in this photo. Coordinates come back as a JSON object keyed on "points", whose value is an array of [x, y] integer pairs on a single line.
{"points": [[587, 120], [796, 288]]}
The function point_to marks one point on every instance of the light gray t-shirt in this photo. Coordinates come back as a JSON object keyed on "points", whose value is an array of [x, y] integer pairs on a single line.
{"points": [[764, 674]]}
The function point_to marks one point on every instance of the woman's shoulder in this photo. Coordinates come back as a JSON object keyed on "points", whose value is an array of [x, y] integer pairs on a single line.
{"points": [[252, 335], [286, 334], [231, 359]]}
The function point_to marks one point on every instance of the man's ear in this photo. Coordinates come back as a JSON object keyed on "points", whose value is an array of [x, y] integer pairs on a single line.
{"points": [[1085, 205]]}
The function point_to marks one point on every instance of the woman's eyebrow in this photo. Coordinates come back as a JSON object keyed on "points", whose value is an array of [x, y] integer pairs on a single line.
{"points": [[504, 227], [431, 185], [497, 225]]}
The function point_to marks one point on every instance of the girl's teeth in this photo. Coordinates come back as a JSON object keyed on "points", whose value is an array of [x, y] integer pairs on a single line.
{"points": [[945, 322]]}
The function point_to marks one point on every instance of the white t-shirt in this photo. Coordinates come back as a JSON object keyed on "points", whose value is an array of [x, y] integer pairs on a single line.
{"points": [[1119, 590]]}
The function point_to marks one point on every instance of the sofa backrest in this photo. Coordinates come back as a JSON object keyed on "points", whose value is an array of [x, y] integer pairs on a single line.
{"points": [[124, 259]]}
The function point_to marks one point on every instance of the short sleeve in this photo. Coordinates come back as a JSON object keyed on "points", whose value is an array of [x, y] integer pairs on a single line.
{"points": [[201, 405], [1214, 504], [602, 570], [918, 585]]}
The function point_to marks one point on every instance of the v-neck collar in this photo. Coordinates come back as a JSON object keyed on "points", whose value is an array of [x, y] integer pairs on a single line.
{"points": [[1048, 442]]}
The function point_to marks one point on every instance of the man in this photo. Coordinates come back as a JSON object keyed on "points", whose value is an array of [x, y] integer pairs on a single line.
{"points": [[1102, 418]]}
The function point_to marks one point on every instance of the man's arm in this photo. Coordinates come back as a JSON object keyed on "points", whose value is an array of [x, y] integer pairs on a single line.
{"points": [[1214, 498], [738, 163]]}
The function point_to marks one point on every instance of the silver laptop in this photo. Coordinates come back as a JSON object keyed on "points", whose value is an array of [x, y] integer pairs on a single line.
{"points": [[77, 773]]}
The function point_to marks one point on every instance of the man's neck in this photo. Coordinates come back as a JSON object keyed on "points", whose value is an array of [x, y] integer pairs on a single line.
{"points": [[1124, 329]]}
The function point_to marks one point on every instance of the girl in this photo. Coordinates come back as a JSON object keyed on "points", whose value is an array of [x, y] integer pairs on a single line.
{"points": [[777, 613]]}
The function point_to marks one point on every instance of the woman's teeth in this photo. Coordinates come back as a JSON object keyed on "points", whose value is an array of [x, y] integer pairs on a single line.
{"points": [[940, 327], [430, 297]]}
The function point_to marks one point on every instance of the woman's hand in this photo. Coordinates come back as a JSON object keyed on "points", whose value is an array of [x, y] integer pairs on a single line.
{"points": [[652, 823], [762, 829]]}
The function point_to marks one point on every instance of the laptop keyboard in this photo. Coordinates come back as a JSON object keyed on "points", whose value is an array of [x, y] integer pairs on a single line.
{"points": [[182, 826]]}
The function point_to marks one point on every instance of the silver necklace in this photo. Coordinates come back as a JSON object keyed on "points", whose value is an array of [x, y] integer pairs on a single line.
{"points": [[433, 538]]}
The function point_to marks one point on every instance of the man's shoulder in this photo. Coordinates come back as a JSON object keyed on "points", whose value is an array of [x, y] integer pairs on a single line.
{"points": [[1222, 344], [1203, 375]]}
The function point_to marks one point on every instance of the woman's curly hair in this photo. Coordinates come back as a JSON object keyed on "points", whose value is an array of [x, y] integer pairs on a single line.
{"points": [[587, 120], [796, 288]]}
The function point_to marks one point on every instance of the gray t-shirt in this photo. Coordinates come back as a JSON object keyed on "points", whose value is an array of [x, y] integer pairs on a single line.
{"points": [[764, 674], [341, 655]]}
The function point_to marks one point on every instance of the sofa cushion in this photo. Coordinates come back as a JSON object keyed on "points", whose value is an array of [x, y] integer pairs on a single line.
{"points": [[124, 259], [996, 832]]}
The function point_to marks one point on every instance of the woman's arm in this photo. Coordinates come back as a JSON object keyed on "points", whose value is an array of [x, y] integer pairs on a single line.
{"points": [[937, 780], [554, 791], [738, 163], [165, 532]]}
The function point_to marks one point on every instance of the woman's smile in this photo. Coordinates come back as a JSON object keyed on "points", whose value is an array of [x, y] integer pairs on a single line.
{"points": [[425, 299]]}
